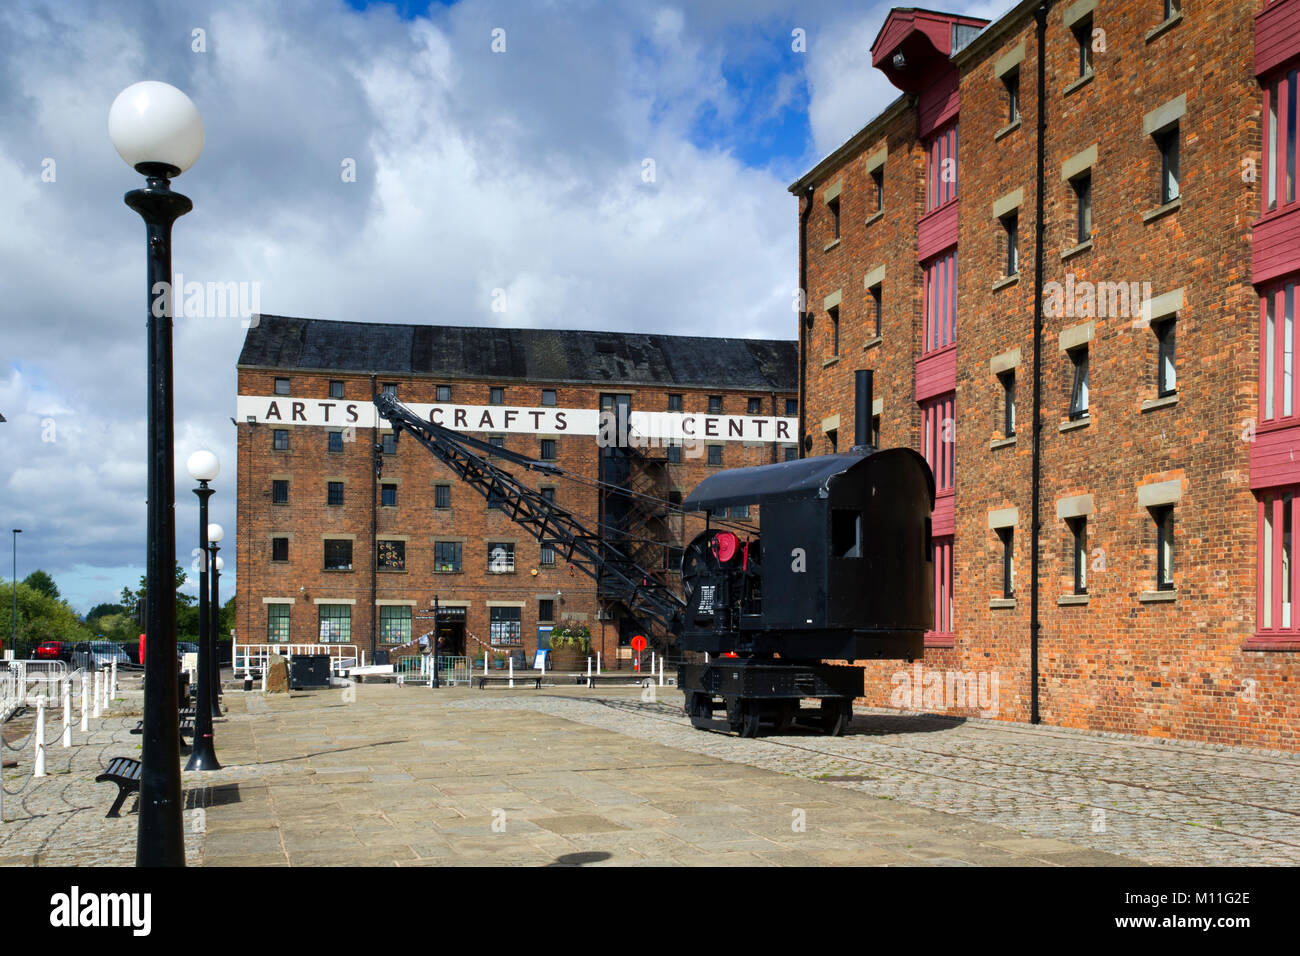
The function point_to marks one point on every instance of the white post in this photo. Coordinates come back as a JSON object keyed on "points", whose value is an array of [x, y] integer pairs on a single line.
{"points": [[511, 662], [598, 663], [113, 683], [706, 657], [661, 672], [652, 662], [85, 702], [485, 663], [96, 712], [39, 769], [265, 668], [588, 665], [542, 657], [67, 712]]}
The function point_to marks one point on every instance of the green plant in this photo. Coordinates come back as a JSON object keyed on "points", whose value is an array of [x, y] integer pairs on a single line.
{"points": [[576, 636]]}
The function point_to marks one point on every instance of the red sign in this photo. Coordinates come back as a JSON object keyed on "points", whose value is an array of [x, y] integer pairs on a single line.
{"points": [[638, 643]]}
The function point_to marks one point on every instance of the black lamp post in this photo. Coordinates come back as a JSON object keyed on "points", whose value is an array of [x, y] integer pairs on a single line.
{"points": [[215, 534], [13, 635], [203, 468], [157, 129]]}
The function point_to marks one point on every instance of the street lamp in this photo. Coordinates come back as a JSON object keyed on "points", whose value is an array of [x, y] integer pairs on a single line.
{"points": [[13, 635], [157, 129], [203, 467], [215, 534]]}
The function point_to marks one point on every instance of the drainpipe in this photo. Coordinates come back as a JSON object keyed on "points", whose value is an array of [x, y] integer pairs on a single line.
{"points": [[1036, 467], [374, 523], [803, 315]]}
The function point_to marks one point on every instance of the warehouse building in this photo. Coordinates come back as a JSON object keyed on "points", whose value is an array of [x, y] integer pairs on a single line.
{"points": [[1074, 276], [342, 541]]}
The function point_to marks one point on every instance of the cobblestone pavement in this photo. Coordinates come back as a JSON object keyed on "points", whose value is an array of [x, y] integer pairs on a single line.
{"points": [[58, 820], [1160, 802]]}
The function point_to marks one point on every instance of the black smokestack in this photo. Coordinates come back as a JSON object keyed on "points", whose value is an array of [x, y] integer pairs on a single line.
{"points": [[862, 388]]}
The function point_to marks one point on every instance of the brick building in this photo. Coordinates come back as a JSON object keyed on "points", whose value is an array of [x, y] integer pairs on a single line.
{"points": [[1074, 276], [329, 550]]}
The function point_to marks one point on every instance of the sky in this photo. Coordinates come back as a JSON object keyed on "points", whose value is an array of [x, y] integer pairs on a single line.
{"points": [[610, 165]]}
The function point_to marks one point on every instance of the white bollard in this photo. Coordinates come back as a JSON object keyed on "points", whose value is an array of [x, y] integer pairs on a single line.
{"points": [[39, 770], [95, 712], [588, 665], [113, 683], [67, 713], [661, 672], [85, 702], [485, 663], [652, 662], [511, 662], [598, 663]]}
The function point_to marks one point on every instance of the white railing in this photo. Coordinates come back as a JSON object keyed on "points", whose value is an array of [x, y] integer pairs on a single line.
{"points": [[246, 657], [418, 669]]}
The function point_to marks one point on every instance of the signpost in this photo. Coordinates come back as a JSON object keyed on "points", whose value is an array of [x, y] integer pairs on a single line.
{"points": [[638, 645]]}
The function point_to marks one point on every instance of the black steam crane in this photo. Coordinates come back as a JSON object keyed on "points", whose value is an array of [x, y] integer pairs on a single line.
{"points": [[843, 571]]}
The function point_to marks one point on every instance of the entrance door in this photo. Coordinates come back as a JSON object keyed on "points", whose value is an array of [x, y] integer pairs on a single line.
{"points": [[451, 639]]}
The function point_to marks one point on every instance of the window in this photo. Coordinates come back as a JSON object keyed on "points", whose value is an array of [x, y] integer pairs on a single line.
{"points": [[280, 491], [335, 623], [833, 437], [548, 494], [548, 396], [334, 493], [336, 442], [389, 442], [497, 441], [942, 588], [1166, 370], [546, 609], [388, 495], [941, 168], [1083, 40], [1277, 352], [792, 407], [1011, 229], [675, 499], [1276, 566], [1079, 383], [446, 557], [834, 313], [1008, 538], [739, 511], [754, 406], [280, 439], [1079, 553], [941, 301], [336, 389], [674, 403], [501, 557], [395, 624], [834, 208], [392, 555], [1280, 140], [1082, 186], [1167, 143], [442, 496], [938, 444], [715, 454], [443, 393], [496, 501], [496, 396], [547, 557], [548, 449], [877, 310], [1011, 83], [1008, 381], [338, 554], [279, 549], [1164, 519], [1172, 7], [715, 404], [875, 431], [505, 625], [675, 559], [282, 386], [878, 183], [791, 452], [277, 623], [390, 388], [846, 533], [674, 453]]}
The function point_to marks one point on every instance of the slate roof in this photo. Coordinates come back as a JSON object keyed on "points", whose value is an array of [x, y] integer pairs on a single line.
{"points": [[524, 355]]}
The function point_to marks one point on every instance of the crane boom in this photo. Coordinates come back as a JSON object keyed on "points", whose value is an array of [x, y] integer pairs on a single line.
{"points": [[623, 579]]}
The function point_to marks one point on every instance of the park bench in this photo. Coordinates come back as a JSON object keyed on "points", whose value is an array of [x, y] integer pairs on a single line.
{"points": [[186, 725], [125, 772], [591, 680], [485, 680]]}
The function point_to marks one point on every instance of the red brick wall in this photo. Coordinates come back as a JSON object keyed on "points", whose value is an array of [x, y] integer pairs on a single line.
{"points": [[1117, 663]]}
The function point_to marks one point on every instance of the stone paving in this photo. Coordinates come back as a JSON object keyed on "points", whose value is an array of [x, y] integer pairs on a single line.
{"points": [[385, 775]]}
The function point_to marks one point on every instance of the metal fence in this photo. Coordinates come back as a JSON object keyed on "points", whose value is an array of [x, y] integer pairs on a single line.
{"points": [[246, 657], [418, 669]]}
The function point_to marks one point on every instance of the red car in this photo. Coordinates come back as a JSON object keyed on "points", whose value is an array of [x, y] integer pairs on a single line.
{"points": [[53, 651]]}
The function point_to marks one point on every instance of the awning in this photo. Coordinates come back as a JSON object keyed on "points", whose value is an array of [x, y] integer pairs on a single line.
{"points": [[783, 481]]}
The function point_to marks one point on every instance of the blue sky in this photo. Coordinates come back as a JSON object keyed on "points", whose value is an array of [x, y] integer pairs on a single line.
{"points": [[477, 171]]}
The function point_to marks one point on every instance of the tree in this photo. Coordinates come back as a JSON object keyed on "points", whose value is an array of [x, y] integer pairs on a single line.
{"points": [[40, 618], [41, 582], [101, 611], [131, 600]]}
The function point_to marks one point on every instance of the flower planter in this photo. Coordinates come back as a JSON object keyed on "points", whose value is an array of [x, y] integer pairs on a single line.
{"points": [[568, 659]]}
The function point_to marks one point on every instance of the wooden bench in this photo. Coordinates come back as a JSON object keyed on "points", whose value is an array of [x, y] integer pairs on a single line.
{"points": [[485, 680], [125, 772], [641, 680]]}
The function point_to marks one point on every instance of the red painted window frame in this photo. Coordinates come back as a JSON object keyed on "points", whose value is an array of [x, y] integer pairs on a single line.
{"points": [[941, 455], [1273, 303], [1268, 567], [942, 145], [941, 635], [940, 305], [1286, 79]]}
